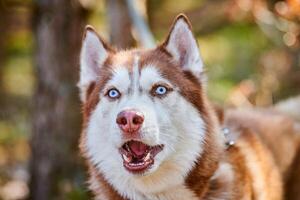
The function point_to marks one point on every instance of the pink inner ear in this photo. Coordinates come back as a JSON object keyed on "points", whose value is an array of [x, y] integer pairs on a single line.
{"points": [[183, 48], [92, 56], [93, 59], [182, 44], [95, 51]]}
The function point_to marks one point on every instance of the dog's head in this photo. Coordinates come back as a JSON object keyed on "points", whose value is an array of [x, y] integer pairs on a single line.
{"points": [[145, 111]]}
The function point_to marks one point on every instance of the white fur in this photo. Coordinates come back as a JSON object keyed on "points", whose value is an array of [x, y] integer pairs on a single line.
{"points": [[92, 56], [135, 76], [172, 121], [119, 80], [95, 185], [183, 47], [177, 193]]}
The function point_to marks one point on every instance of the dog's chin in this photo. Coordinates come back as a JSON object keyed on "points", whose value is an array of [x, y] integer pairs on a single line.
{"points": [[138, 157]]}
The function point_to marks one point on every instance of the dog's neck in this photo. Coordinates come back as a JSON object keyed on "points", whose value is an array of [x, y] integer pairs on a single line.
{"points": [[199, 183]]}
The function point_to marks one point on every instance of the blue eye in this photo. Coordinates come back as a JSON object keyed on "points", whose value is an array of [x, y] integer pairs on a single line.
{"points": [[161, 90], [113, 93]]}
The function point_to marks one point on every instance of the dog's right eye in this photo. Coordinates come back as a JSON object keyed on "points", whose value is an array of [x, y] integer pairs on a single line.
{"points": [[113, 93]]}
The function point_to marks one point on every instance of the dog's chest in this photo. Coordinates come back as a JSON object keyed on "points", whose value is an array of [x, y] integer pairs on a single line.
{"points": [[176, 193]]}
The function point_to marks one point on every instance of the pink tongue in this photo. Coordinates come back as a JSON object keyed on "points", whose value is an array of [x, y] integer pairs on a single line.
{"points": [[138, 148]]}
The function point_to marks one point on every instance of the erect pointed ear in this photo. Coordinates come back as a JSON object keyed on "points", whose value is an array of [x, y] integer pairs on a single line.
{"points": [[183, 47], [94, 52]]}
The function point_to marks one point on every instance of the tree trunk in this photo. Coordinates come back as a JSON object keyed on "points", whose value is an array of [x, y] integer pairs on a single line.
{"points": [[58, 29], [3, 31], [119, 24]]}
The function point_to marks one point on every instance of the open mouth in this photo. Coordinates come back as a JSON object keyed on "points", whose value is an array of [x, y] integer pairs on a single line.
{"points": [[137, 156]]}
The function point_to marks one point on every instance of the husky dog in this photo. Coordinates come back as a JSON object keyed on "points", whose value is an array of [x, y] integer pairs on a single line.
{"points": [[150, 133]]}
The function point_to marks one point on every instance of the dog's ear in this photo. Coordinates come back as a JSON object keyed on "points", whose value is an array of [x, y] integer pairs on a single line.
{"points": [[183, 47], [94, 52]]}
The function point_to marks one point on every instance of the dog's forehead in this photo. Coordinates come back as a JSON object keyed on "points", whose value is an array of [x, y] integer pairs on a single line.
{"points": [[124, 59], [145, 64], [134, 64], [140, 58]]}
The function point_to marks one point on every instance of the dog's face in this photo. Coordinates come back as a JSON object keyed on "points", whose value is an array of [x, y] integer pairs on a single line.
{"points": [[144, 110]]}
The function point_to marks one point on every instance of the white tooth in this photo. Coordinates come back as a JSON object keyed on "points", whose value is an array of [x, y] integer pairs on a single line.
{"points": [[126, 158], [147, 156]]}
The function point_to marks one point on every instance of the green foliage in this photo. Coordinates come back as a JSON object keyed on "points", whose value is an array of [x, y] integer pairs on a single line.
{"points": [[231, 55], [78, 193]]}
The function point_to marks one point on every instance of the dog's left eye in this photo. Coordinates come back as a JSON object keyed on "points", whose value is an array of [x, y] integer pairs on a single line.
{"points": [[161, 90]]}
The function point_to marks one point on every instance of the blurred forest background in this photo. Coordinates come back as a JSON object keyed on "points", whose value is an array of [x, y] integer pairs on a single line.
{"points": [[251, 49]]}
